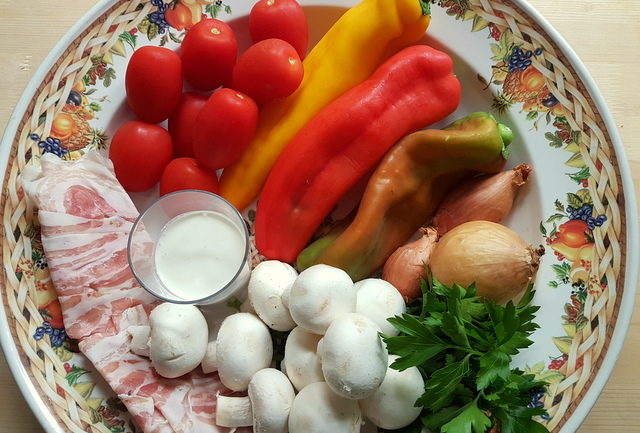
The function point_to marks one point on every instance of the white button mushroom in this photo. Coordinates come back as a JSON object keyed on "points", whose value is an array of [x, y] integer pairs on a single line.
{"points": [[391, 406], [301, 362], [317, 409], [268, 281], [285, 296], [266, 407], [378, 300], [271, 395], [320, 294], [178, 339], [139, 343], [353, 356], [246, 307], [243, 347]]}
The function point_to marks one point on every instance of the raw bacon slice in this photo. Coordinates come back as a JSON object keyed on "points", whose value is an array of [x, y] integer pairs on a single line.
{"points": [[86, 217]]}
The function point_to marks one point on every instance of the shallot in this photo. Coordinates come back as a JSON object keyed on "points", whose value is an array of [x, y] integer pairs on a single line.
{"points": [[407, 265], [486, 197], [494, 257]]}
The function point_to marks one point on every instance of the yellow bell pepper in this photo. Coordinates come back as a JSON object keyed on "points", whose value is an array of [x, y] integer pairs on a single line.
{"points": [[365, 36]]}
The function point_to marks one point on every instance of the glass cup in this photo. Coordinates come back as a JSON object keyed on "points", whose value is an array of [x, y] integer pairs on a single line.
{"points": [[185, 237]]}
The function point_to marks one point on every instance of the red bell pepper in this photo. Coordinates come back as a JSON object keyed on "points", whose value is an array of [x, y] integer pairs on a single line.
{"points": [[413, 89]]}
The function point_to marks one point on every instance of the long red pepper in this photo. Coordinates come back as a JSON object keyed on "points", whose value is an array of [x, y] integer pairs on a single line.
{"points": [[413, 89]]}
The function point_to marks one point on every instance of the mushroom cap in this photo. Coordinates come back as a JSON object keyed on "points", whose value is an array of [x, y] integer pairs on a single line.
{"points": [[301, 362], [271, 396], [391, 406], [378, 300], [353, 356], [317, 409], [320, 294], [268, 281], [243, 347], [178, 338]]}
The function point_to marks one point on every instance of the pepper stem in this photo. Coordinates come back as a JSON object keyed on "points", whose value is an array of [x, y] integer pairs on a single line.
{"points": [[507, 137]]}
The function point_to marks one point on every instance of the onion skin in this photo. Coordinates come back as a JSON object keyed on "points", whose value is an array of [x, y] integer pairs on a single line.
{"points": [[406, 265], [486, 197], [494, 257]]}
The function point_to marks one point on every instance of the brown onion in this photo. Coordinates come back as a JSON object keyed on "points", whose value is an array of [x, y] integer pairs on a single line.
{"points": [[406, 265], [487, 197], [494, 257]]}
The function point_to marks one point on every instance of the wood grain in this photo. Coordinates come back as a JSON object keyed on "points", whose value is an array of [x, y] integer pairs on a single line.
{"points": [[606, 36]]}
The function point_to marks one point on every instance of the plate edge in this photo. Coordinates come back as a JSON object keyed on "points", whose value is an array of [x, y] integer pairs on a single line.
{"points": [[7, 344], [631, 210]]}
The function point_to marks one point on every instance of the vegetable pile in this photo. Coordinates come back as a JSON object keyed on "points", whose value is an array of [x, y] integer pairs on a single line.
{"points": [[409, 310]]}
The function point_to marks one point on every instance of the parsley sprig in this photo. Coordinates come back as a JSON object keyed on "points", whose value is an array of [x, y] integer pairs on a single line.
{"points": [[463, 345]]}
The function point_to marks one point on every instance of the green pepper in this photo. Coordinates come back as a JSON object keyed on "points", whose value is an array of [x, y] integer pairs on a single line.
{"points": [[406, 188]]}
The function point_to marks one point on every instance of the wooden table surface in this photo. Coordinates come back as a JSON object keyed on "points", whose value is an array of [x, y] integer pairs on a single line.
{"points": [[604, 33]]}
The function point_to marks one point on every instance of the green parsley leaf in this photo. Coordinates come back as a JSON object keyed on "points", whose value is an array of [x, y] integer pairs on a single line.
{"points": [[442, 383], [452, 326], [470, 419], [433, 421], [493, 365], [520, 421]]}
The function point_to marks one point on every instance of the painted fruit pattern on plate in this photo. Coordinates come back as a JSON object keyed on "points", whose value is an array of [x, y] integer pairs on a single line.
{"points": [[514, 83]]}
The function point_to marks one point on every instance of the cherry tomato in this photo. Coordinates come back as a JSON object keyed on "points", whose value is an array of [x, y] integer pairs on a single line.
{"points": [[182, 122], [280, 19], [209, 51], [224, 128], [139, 153], [185, 173], [153, 83], [269, 69]]}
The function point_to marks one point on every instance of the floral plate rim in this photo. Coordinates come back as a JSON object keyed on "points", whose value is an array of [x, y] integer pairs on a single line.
{"points": [[631, 274], [9, 346]]}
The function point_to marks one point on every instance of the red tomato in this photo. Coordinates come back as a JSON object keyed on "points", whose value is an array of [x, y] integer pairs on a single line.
{"points": [[224, 128], [185, 173], [281, 19], [269, 69], [209, 51], [139, 153], [182, 123], [153, 83]]}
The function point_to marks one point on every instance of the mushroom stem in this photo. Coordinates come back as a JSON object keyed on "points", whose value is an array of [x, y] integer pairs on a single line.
{"points": [[234, 411], [139, 343], [210, 360]]}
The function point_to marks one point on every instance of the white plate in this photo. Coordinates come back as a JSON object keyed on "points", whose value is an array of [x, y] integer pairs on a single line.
{"points": [[581, 333]]}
